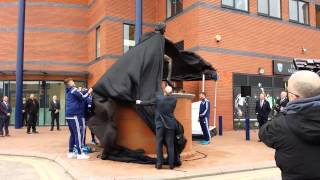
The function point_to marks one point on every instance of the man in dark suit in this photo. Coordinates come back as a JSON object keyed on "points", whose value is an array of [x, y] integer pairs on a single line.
{"points": [[262, 110], [32, 107], [282, 102], [54, 108], [5, 113]]}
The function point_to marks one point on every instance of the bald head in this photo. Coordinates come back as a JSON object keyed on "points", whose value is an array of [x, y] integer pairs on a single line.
{"points": [[303, 84]]}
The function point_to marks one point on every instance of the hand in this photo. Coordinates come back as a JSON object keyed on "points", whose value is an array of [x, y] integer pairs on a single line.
{"points": [[90, 90], [8, 114], [281, 109], [56, 111], [138, 101], [23, 111]]}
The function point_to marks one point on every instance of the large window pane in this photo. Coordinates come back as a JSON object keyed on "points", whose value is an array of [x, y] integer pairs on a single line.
{"points": [[128, 37], [241, 5], [169, 14], [263, 7], [318, 16], [275, 8], [293, 10], [174, 7], [227, 3], [303, 12]]}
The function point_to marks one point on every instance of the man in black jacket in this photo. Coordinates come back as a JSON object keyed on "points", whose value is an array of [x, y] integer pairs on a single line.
{"points": [[295, 132], [282, 102], [54, 108], [262, 110], [32, 108], [5, 113]]}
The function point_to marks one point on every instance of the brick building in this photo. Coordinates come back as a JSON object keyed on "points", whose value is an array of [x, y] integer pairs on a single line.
{"points": [[249, 42]]}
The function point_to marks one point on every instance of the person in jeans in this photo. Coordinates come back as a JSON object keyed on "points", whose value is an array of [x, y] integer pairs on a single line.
{"points": [[32, 107]]}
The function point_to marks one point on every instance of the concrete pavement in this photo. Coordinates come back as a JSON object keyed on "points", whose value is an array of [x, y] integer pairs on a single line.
{"points": [[227, 153]]}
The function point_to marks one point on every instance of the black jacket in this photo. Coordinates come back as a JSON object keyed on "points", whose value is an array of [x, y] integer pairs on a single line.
{"points": [[32, 106], [281, 103], [295, 135], [54, 106], [4, 110], [264, 111], [164, 115]]}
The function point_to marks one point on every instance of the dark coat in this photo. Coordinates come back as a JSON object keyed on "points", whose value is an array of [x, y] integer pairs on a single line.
{"points": [[295, 135], [282, 104], [54, 106], [263, 112], [164, 116], [32, 106], [4, 110]]}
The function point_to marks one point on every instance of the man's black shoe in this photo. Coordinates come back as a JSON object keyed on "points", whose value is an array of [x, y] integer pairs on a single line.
{"points": [[35, 132], [28, 132], [159, 166]]}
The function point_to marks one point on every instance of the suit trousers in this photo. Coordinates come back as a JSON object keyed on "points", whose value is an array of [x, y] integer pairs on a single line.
{"points": [[164, 135], [54, 117], [32, 122], [4, 124]]}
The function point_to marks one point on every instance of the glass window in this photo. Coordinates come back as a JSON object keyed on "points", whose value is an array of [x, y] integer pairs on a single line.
{"points": [[299, 11], [98, 52], [318, 16], [242, 5], [128, 37], [275, 8], [174, 7], [263, 7], [270, 8]]}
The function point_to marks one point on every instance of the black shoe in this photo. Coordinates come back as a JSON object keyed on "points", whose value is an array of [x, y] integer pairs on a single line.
{"points": [[58, 129], [28, 132], [35, 132], [171, 166], [51, 129], [158, 166], [7, 134], [259, 140]]}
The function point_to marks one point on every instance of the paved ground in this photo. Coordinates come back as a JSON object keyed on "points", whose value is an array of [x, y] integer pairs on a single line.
{"points": [[229, 152]]}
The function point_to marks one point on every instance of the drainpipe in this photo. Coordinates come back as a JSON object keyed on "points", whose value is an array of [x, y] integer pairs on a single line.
{"points": [[19, 65], [138, 25]]}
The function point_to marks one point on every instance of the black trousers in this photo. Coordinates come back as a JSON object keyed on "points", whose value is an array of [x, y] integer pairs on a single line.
{"points": [[262, 121], [4, 124], [165, 135], [24, 119], [54, 117], [32, 122]]}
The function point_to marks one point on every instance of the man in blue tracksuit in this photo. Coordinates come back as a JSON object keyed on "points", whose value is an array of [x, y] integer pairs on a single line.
{"points": [[204, 115], [75, 118]]}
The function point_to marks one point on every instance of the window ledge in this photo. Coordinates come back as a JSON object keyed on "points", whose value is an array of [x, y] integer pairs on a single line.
{"points": [[297, 22], [267, 16]]}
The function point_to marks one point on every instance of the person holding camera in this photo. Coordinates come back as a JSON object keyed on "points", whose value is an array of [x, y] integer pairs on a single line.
{"points": [[295, 132]]}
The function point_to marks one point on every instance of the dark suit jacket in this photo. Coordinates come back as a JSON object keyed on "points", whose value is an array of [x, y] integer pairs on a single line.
{"points": [[4, 110], [164, 115], [280, 104], [32, 106], [263, 112], [54, 106]]}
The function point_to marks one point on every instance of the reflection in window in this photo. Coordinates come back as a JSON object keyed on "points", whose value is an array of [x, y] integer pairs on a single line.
{"points": [[299, 11], [174, 7], [128, 37], [236, 4], [270, 8]]}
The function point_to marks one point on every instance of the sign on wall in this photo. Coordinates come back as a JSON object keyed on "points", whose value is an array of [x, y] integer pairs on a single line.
{"points": [[283, 67]]}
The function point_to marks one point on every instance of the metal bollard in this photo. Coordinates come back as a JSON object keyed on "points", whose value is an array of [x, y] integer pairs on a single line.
{"points": [[247, 125], [220, 125]]}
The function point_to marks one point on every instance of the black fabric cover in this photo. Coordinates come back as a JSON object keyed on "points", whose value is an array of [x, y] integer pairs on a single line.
{"points": [[138, 75]]}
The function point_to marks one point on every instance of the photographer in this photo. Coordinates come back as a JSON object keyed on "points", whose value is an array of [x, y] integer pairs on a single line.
{"points": [[295, 132]]}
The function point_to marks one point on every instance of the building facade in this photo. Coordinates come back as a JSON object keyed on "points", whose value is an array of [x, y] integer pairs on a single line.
{"points": [[249, 42]]}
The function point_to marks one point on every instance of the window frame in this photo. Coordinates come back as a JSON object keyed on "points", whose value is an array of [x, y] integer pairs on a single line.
{"points": [[297, 21], [123, 26], [234, 6], [175, 10], [268, 15], [98, 41]]}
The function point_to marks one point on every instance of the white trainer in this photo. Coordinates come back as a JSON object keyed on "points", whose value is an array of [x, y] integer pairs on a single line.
{"points": [[82, 156], [71, 155]]}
